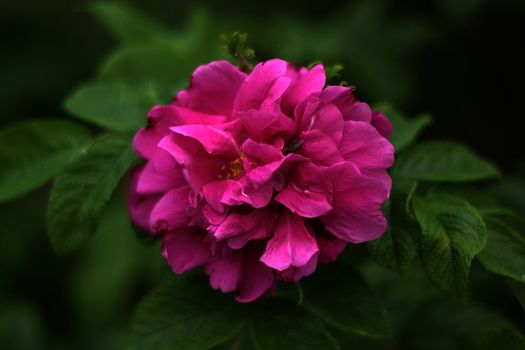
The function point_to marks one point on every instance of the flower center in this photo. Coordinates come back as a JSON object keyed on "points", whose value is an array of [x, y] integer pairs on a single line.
{"points": [[233, 168]]}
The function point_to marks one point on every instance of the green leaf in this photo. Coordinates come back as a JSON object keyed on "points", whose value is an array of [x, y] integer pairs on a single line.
{"points": [[396, 249], [235, 45], [183, 313], [280, 325], [504, 338], [504, 253], [452, 234], [363, 314], [22, 326], [444, 161], [33, 152], [126, 23], [81, 192], [167, 61], [100, 290], [443, 324], [518, 289], [114, 106], [405, 129], [158, 62]]}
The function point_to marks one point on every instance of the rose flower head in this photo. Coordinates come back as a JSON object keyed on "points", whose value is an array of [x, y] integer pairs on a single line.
{"points": [[260, 177]]}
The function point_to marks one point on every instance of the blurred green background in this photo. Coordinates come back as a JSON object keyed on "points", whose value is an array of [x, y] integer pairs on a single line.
{"points": [[457, 60]]}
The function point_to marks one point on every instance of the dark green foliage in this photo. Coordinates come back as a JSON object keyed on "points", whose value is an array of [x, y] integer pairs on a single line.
{"points": [[452, 234], [183, 313], [440, 226], [364, 315], [33, 152], [280, 325], [81, 192], [505, 250], [405, 130], [444, 161], [236, 47], [396, 248], [114, 106]]}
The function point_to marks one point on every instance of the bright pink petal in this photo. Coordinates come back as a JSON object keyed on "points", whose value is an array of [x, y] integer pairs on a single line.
{"points": [[303, 202], [171, 211], [344, 99], [357, 201], [139, 205], [237, 192], [214, 193], [319, 148], [308, 194], [161, 174], [213, 88], [365, 147], [160, 119], [146, 139], [291, 245], [185, 249], [327, 119], [215, 140], [199, 167], [263, 87], [239, 229], [260, 153], [262, 125], [304, 82]]}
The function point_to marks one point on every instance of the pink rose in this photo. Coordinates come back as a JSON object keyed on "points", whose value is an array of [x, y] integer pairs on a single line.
{"points": [[259, 177]]}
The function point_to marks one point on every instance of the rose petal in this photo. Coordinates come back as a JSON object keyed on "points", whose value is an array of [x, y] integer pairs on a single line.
{"points": [[319, 148], [365, 147], [382, 124], [304, 82], [171, 211], [294, 274], [239, 229], [329, 248], [161, 174], [214, 139], [213, 88], [225, 273], [185, 249], [263, 87], [291, 245], [356, 216]]}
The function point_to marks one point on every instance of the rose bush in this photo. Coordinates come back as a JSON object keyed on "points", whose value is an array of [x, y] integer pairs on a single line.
{"points": [[261, 176]]}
